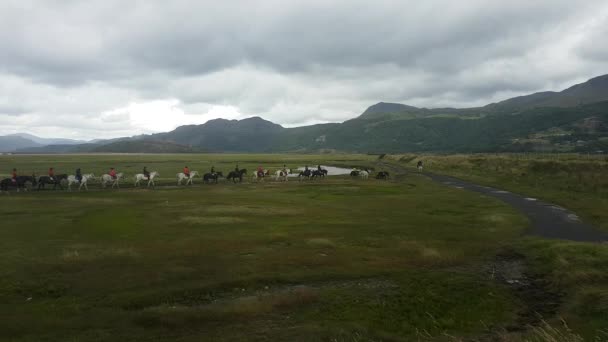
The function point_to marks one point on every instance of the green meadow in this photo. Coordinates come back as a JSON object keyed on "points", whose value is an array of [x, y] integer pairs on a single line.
{"points": [[339, 259]]}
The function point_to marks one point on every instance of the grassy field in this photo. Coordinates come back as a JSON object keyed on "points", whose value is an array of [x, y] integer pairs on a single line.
{"points": [[577, 182], [334, 260]]}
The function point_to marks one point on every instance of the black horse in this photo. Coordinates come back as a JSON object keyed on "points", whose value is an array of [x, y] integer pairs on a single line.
{"points": [[212, 177], [319, 173], [19, 183], [44, 180], [234, 175], [383, 175], [355, 173], [304, 174]]}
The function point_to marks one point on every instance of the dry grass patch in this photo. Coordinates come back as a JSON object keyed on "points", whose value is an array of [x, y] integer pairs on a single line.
{"points": [[211, 220], [251, 210], [321, 243], [82, 252]]}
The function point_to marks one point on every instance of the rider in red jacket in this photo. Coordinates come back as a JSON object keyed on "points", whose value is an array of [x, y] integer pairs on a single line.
{"points": [[14, 175], [112, 173], [186, 171]]}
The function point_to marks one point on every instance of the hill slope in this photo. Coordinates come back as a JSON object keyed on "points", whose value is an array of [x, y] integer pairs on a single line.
{"points": [[11, 143], [575, 119]]}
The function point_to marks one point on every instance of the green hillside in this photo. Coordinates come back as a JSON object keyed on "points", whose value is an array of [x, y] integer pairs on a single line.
{"points": [[573, 120]]}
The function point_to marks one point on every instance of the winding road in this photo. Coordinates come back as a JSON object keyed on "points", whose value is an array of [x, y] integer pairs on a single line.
{"points": [[546, 220]]}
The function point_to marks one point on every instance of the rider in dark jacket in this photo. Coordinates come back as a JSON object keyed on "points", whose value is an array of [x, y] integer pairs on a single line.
{"points": [[146, 172], [78, 175]]}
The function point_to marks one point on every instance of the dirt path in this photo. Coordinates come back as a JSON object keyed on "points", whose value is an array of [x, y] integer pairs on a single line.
{"points": [[547, 220]]}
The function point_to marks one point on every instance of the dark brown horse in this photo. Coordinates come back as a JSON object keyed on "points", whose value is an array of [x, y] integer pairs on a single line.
{"points": [[18, 183], [56, 181], [237, 175]]}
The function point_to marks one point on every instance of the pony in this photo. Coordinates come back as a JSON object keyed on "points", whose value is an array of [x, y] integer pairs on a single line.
{"points": [[281, 175], [140, 176], [43, 180], [318, 173], [234, 175], [85, 178], [189, 180], [260, 175], [304, 174], [107, 179], [383, 175], [19, 183], [212, 177], [364, 174]]}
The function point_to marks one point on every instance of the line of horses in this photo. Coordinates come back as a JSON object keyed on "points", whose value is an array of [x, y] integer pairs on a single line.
{"points": [[236, 176]]}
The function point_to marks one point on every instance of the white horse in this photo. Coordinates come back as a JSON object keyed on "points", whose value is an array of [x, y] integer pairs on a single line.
{"points": [[364, 174], [281, 175], [181, 176], [107, 179], [85, 178], [140, 176]]}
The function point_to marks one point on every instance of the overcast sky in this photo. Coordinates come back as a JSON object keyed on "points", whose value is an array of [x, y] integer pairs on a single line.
{"points": [[102, 69]]}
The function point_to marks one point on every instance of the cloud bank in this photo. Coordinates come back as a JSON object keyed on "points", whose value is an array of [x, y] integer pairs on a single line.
{"points": [[113, 68]]}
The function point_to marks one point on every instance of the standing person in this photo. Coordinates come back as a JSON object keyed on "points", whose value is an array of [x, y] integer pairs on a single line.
{"points": [[112, 173], [14, 175], [419, 165], [51, 174], [186, 171], [146, 172], [78, 175]]}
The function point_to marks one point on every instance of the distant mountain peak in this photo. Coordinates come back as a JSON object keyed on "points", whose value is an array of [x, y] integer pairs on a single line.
{"points": [[386, 107]]}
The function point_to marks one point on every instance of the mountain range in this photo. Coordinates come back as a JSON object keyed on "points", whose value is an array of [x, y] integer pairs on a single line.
{"points": [[575, 119]]}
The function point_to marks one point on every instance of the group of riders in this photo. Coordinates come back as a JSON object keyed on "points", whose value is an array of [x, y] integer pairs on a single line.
{"points": [[112, 172], [261, 172], [78, 174]]}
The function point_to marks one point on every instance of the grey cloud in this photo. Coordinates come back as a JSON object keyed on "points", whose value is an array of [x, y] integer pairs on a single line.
{"points": [[293, 62]]}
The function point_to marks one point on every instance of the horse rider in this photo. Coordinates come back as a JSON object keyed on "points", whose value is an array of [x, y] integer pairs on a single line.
{"points": [[186, 171], [260, 171], [285, 169], [52, 174], [146, 172], [14, 175], [212, 170], [319, 168], [236, 169], [112, 173], [78, 175]]}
